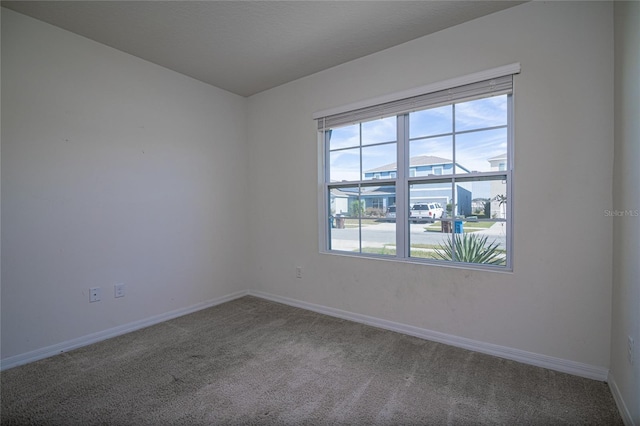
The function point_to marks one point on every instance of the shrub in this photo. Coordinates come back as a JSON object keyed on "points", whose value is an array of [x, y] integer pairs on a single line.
{"points": [[356, 208], [374, 212], [471, 248]]}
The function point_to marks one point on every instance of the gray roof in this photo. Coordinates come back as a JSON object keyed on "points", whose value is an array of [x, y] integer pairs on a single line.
{"points": [[420, 160], [366, 191], [498, 157]]}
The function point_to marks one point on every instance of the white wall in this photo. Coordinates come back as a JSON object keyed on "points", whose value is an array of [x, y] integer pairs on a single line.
{"points": [[113, 170], [626, 196], [557, 302], [117, 170]]}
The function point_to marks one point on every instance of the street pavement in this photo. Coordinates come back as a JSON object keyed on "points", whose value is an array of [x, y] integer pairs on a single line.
{"points": [[379, 235]]}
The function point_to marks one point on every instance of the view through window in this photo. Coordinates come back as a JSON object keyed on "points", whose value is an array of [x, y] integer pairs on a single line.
{"points": [[428, 185]]}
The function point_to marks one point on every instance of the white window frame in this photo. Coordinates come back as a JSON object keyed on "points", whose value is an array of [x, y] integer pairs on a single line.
{"points": [[402, 226]]}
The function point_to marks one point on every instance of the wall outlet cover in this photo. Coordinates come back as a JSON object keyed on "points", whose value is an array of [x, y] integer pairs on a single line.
{"points": [[119, 290], [94, 294]]}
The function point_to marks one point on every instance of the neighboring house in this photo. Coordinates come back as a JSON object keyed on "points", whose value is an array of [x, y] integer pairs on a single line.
{"points": [[498, 163], [425, 165], [478, 204], [339, 202], [376, 199], [421, 165], [464, 202], [379, 198]]}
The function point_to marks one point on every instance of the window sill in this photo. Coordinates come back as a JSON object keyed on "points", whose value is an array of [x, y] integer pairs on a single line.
{"points": [[416, 261]]}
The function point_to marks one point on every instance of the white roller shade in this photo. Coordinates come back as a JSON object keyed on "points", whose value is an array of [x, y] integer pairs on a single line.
{"points": [[498, 81]]}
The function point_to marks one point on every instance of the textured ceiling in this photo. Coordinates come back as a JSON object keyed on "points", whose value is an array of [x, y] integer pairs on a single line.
{"points": [[246, 47]]}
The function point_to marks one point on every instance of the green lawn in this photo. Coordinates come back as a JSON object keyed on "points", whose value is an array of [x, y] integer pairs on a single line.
{"points": [[468, 226], [391, 251], [425, 251], [353, 223]]}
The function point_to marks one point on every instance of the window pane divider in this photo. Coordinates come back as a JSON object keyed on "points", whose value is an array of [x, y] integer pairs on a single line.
{"points": [[460, 177], [363, 183], [344, 148], [402, 190], [460, 132]]}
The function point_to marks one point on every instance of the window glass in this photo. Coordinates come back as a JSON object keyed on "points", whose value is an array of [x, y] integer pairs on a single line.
{"points": [[377, 131], [481, 113], [344, 137], [430, 122], [475, 150], [380, 160], [429, 201], [428, 215], [344, 165], [363, 219], [432, 152], [455, 171]]}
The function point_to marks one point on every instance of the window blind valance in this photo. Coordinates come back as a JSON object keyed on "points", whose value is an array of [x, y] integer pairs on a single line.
{"points": [[498, 81]]}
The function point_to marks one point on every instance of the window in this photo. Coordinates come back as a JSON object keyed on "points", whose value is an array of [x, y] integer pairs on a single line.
{"points": [[442, 159]]}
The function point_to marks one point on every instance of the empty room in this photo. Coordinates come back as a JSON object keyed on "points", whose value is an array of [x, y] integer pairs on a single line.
{"points": [[320, 212]]}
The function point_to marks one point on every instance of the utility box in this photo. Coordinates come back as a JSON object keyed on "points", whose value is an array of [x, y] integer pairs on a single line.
{"points": [[458, 227]]}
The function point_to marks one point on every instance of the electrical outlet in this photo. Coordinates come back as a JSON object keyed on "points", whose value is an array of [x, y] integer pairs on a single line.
{"points": [[630, 349], [94, 294], [118, 290], [298, 272]]}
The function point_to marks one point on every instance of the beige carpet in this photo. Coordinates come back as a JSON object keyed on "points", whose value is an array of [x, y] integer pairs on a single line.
{"points": [[251, 361]]}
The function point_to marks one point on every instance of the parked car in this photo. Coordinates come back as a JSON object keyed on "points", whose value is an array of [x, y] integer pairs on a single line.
{"points": [[426, 212], [391, 212]]}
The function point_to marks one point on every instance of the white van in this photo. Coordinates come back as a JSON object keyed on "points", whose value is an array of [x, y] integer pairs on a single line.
{"points": [[426, 212]]}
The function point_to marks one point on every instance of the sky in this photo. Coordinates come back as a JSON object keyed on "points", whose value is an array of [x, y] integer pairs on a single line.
{"points": [[431, 133]]}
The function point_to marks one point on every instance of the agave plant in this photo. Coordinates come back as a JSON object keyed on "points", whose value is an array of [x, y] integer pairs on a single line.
{"points": [[471, 248]]}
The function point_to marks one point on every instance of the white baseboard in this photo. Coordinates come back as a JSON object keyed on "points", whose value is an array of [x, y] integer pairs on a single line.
{"points": [[68, 345], [622, 407], [557, 364], [545, 361]]}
